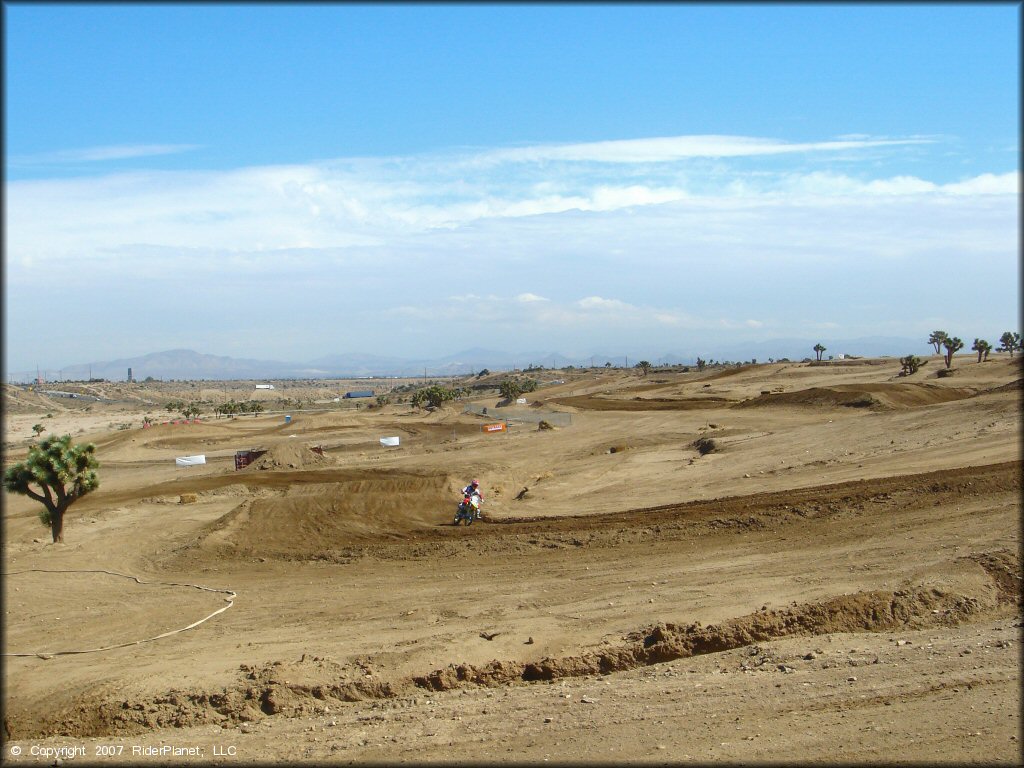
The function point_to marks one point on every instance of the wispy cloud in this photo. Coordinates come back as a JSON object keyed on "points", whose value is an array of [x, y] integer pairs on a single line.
{"points": [[101, 154], [671, 148]]}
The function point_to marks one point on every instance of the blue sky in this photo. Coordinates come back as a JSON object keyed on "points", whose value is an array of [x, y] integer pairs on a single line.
{"points": [[293, 181]]}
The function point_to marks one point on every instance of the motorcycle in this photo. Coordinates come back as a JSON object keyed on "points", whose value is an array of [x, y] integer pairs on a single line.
{"points": [[468, 510]]}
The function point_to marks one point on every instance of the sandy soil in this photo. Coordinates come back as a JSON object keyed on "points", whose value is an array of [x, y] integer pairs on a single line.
{"points": [[835, 578]]}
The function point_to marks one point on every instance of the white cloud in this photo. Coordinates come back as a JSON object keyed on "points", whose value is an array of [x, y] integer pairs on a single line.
{"points": [[596, 302], [986, 184], [656, 250]]}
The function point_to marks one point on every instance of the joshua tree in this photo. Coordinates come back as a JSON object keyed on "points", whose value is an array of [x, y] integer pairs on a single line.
{"points": [[38, 429], [435, 395], [982, 347], [1009, 341], [510, 389], [701, 363], [644, 365], [936, 339], [910, 364], [56, 474], [951, 345], [818, 349]]}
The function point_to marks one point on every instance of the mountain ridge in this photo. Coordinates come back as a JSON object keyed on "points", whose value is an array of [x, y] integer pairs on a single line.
{"points": [[189, 364]]}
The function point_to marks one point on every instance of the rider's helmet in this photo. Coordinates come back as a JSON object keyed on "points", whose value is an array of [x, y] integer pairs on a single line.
{"points": [[475, 483]]}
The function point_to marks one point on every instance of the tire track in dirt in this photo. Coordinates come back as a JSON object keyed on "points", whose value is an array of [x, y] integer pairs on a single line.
{"points": [[344, 535]]}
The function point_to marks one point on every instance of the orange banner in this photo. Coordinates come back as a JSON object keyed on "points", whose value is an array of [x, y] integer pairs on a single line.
{"points": [[495, 427]]}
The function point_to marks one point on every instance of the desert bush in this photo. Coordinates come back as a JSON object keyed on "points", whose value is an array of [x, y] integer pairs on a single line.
{"points": [[705, 445]]}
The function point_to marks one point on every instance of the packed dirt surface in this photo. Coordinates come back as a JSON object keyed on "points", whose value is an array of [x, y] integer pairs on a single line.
{"points": [[784, 562]]}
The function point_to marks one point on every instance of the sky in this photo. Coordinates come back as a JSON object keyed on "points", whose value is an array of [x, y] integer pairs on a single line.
{"points": [[294, 181]]}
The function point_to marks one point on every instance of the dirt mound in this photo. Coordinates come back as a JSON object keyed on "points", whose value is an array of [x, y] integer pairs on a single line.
{"points": [[323, 520], [877, 611], [1013, 386], [878, 396], [289, 455], [279, 688]]}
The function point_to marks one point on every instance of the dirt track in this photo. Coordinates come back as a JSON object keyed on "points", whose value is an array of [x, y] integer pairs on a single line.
{"points": [[830, 583]]}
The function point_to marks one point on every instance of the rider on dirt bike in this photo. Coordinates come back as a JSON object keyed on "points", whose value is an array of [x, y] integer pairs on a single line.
{"points": [[473, 489]]}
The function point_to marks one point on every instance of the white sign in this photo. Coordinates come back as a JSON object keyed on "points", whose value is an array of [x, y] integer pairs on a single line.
{"points": [[190, 461], [389, 441]]}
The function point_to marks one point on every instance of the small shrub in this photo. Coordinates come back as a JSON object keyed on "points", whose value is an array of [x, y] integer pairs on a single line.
{"points": [[705, 445]]}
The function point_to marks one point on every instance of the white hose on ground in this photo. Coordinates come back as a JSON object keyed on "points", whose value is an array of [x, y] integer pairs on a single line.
{"points": [[48, 654]]}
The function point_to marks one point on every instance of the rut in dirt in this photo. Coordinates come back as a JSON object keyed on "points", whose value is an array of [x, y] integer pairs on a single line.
{"points": [[310, 685]]}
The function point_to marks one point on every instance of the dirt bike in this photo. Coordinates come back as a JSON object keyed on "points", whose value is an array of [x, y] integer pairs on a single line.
{"points": [[468, 510]]}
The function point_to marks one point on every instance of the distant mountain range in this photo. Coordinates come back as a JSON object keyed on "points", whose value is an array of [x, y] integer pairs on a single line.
{"points": [[188, 364]]}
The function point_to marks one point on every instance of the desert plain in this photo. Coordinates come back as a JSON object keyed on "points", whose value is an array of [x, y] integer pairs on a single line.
{"points": [[832, 576]]}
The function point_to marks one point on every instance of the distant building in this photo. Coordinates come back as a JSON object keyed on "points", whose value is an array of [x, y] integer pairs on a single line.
{"points": [[359, 393], [264, 386], [130, 379]]}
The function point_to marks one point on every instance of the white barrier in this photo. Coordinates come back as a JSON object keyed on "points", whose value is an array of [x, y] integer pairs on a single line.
{"points": [[190, 461], [389, 441]]}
